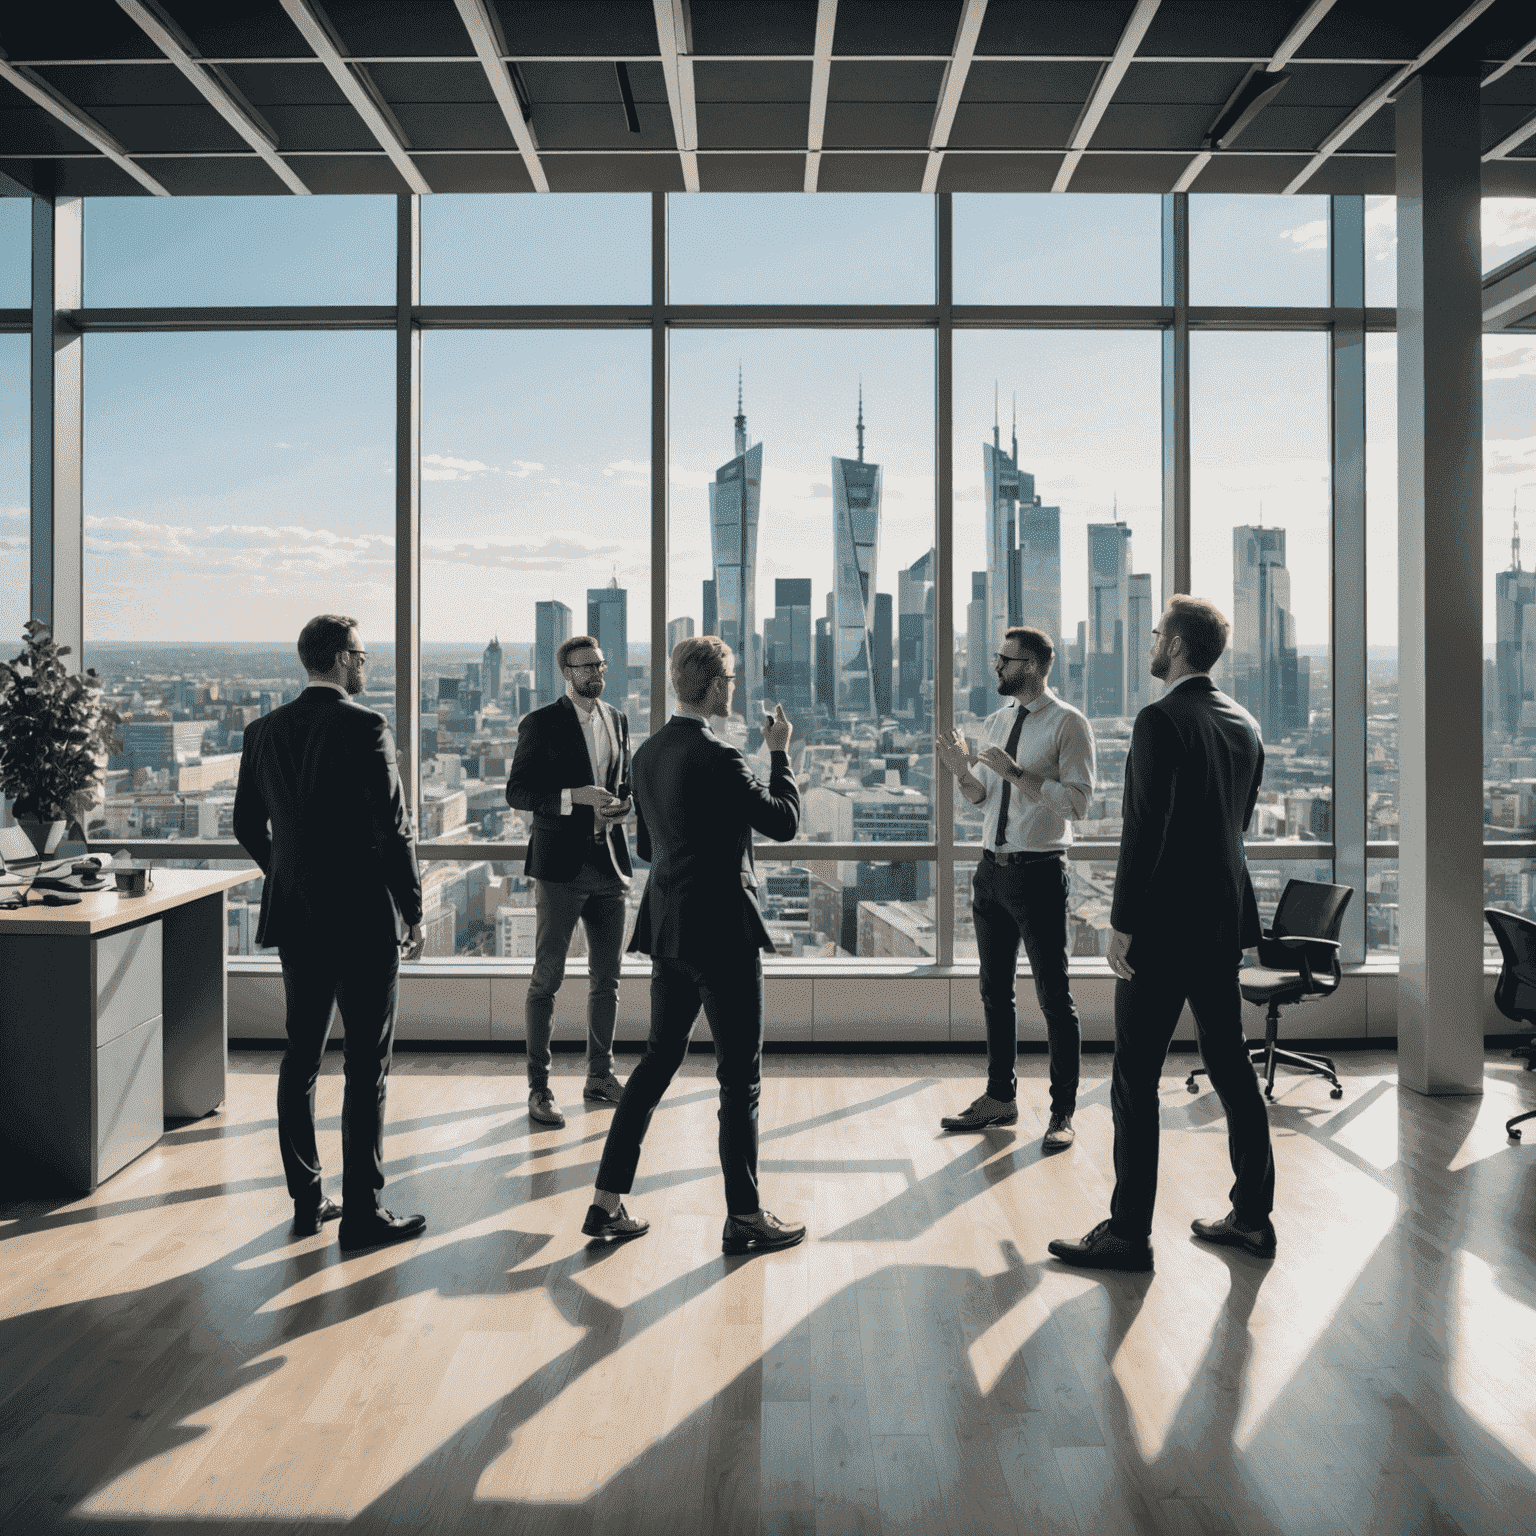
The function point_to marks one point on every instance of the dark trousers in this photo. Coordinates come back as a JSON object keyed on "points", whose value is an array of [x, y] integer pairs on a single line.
{"points": [[596, 899], [1028, 902], [731, 995], [363, 976], [1147, 1011]]}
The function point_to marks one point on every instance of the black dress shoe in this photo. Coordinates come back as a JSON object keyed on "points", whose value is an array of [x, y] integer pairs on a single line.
{"points": [[1101, 1249], [619, 1225], [308, 1220], [386, 1227], [1259, 1241], [759, 1234]]}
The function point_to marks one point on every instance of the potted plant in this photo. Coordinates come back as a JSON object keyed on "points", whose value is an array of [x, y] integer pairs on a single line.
{"points": [[54, 734]]}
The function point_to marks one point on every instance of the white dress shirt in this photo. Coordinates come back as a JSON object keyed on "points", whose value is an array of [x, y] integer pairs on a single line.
{"points": [[1056, 742], [601, 747]]}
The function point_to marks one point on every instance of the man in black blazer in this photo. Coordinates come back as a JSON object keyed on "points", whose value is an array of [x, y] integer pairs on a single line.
{"points": [[698, 805], [341, 876], [571, 770], [1183, 912]]}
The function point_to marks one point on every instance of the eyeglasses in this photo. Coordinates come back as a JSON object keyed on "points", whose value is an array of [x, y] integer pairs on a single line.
{"points": [[1003, 658], [587, 666], [729, 677], [362, 656]]}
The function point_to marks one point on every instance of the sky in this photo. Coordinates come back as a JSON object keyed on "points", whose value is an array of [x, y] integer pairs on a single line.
{"points": [[237, 483]]}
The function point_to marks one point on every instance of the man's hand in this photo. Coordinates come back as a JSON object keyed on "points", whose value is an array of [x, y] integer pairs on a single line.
{"points": [[413, 943], [1119, 948], [777, 730], [953, 751], [999, 762], [616, 811], [592, 794]]}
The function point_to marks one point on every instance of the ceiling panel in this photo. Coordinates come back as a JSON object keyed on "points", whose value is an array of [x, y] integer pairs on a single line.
{"points": [[998, 173], [1012, 125], [777, 81], [872, 173], [1202, 28], [1029, 82], [1128, 173], [614, 173], [319, 126], [751, 173], [159, 130], [1053, 26], [896, 26], [78, 29], [1132, 126], [365, 174], [1249, 173], [265, 85], [877, 125], [219, 176], [246, 29], [601, 28], [1180, 84], [398, 27], [475, 173], [765, 26], [461, 125], [752, 124], [1283, 126], [1371, 29]]}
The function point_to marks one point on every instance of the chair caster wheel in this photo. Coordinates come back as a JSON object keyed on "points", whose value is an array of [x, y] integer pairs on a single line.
{"points": [[1269, 1093], [1338, 1093], [1189, 1083], [1514, 1135]]}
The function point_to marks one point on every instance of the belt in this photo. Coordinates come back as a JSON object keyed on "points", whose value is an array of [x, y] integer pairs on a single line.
{"points": [[1022, 858]]}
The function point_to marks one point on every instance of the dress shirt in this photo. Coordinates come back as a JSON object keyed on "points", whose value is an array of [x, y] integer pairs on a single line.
{"points": [[598, 735], [316, 682], [1056, 742]]}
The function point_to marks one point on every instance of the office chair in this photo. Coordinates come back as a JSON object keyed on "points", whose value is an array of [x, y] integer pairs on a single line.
{"points": [[1515, 993], [1304, 934]]}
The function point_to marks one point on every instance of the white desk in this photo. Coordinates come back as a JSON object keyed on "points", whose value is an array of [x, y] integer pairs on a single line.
{"points": [[113, 1017]]}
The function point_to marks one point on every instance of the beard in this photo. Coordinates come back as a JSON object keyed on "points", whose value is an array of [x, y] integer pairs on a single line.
{"points": [[354, 683], [1159, 667], [590, 687]]}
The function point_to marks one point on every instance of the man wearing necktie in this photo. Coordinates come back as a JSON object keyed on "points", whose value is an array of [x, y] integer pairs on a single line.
{"points": [[1034, 777], [571, 770]]}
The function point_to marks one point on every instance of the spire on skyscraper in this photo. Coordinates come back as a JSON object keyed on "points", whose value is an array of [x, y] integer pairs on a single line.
{"points": [[996, 430], [741, 417], [1514, 543], [861, 420], [1015, 429]]}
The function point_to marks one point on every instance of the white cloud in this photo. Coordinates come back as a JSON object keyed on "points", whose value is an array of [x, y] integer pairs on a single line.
{"points": [[1510, 456], [1508, 357], [690, 479], [1509, 225], [250, 548], [551, 556], [437, 466], [525, 467], [1311, 236], [627, 467]]}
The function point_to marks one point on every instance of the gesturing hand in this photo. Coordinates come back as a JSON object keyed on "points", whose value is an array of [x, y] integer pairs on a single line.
{"points": [[777, 730], [999, 762], [953, 751]]}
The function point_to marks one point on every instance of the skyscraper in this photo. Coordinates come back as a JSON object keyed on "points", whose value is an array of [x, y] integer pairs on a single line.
{"points": [[978, 659], [824, 692], [788, 660], [914, 635], [551, 629], [1264, 673], [883, 654], [1514, 603], [1138, 648], [678, 630], [1109, 618], [608, 624], [855, 553], [490, 670], [734, 499]]}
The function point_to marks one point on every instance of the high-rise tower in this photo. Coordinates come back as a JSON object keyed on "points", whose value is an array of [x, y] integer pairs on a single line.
{"points": [[855, 552], [1264, 669], [552, 628], [490, 670], [608, 624], [734, 500], [1109, 618]]}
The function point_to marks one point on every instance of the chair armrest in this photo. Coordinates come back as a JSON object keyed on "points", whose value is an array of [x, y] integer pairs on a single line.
{"points": [[1291, 942], [1300, 946]]}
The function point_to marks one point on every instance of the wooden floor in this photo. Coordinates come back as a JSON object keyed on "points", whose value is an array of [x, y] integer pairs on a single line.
{"points": [[171, 1360]]}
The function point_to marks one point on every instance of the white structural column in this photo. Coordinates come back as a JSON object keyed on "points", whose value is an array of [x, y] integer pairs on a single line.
{"points": [[57, 420], [660, 452], [821, 79], [677, 70], [408, 496], [972, 15], [1440, 584], [1346, 478]]}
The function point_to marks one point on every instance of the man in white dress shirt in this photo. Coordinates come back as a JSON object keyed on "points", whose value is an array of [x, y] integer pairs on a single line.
{"points": [[1033, 777], [571, 770]]}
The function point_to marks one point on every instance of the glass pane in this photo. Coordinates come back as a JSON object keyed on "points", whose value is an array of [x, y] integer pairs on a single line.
{"points": [[1381, 589], [535, 526], [1509, 227], [582, 248], [1381, 251], [799, 248], [1260, 551], [15, 252], [239, 250], [1510, 884], [1058, 517], [1509, 613], [1258, 250], [802, 534], [1381, 909], [15, 493], [824, 909], [1036, 248], [206, 552]]}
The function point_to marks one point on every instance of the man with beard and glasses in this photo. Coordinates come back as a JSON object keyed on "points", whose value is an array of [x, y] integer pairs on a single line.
{"points": [[1034, 777], [571, 770], [340, 871], [1183, 913]]}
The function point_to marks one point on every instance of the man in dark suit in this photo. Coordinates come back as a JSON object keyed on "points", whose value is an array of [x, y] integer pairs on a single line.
{"points": [[341, 876], [1183, 912], [698, 805], [571, 770]]}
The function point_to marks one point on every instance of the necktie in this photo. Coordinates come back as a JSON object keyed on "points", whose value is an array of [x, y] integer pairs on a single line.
{"points": [[1002, 808]]}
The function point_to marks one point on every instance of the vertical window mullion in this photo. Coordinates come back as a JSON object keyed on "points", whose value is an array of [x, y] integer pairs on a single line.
{"points": [[408, 495], [660, 450], [1176, 560], [944, 597]]}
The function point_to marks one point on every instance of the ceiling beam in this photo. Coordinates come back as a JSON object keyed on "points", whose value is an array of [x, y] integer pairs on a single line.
{"points": [[1382, 95], [37, 90], [953, 89], [1514, 61], [305, 15], [677, 67], [821, 79], [1514, 140], [1108, 83], [166, 37], [1305, 25], [1509, 293], [484, 34]]}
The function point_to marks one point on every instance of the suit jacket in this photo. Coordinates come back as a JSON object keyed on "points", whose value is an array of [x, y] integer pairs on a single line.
{"points": [[552, 755], [340, 851], [698, 805], [1191, 782]]}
